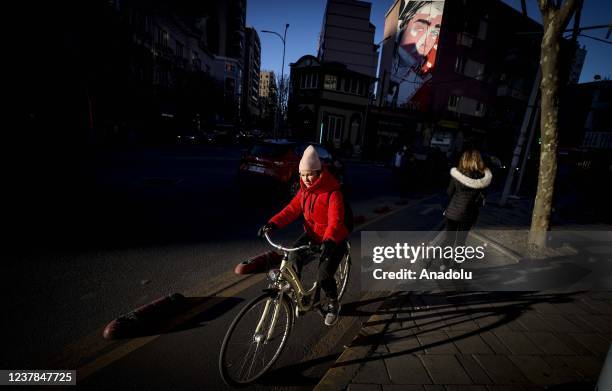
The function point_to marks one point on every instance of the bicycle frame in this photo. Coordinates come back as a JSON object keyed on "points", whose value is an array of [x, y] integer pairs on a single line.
{"points": [[287, 274], [287, 280], [285, 299]]}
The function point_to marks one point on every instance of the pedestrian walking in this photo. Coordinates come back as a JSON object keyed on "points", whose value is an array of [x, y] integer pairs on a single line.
{"points": [[398, 162], [466, 191]]}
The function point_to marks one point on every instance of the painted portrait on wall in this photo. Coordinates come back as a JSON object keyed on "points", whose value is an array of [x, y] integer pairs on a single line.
{"points": [[416, 44]]}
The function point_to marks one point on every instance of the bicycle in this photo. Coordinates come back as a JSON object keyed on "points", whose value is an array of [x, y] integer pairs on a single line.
{"points": [[267, 320]]}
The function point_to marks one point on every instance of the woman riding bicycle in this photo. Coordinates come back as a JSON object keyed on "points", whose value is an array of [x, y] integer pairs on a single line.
{"points": [[320, 201]]}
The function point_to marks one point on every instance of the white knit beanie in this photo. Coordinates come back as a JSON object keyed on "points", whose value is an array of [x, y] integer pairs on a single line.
{"points": [[310, 160]]}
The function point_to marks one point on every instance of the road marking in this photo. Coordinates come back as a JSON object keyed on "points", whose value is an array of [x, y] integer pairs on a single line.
{"points": [[430, 208], [228, 284], [393, 211], [214, 158]]}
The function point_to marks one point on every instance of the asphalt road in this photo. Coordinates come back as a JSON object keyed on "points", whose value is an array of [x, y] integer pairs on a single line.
{"points": [[187, 359], [131, 226]]}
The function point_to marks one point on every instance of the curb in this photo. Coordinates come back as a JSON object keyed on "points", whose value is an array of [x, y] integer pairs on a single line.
{"points": [[152, 314], [516, 257], [339, 377]]}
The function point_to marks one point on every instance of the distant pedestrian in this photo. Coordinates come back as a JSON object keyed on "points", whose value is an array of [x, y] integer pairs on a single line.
{"points": [[398, 161], [466, 191]]}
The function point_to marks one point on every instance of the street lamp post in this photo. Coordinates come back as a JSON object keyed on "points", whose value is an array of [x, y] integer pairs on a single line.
{"points": [[282, 38]]}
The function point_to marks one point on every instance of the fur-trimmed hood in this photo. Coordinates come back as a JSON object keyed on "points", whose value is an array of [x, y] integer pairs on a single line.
{"points": [[471, 182]]}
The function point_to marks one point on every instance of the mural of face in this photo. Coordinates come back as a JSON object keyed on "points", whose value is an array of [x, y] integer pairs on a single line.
{"points": [[422, 31]]}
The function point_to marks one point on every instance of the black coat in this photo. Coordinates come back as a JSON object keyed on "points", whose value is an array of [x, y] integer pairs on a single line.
{"points": [[465, 194]]}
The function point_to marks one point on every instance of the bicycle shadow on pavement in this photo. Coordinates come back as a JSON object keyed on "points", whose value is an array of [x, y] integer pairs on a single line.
{"points": [[406, 317], [468, 314], [301, 373]]}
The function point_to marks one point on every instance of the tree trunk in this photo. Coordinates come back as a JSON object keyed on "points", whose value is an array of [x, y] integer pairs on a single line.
{"points": [[554, 19]]}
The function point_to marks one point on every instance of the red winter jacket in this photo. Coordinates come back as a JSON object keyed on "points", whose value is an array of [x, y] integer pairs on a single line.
{"points": [[323, 209]]}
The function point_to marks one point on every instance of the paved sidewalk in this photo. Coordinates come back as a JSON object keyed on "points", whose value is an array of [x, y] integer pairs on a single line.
{"points": [[480, 341]]}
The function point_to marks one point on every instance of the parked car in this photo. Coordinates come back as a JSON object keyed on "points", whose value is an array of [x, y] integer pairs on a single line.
{"points": [[247, 137], [277, 161], [192, 137]]}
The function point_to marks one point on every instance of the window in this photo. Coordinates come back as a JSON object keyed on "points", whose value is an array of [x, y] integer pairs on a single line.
{"points": [[482, 30], [309, 80], [179, 49], [480, 109], [147, 24], [162, 75], [347, 85], [469, 68], [362, 88], [331, 82], [460, 64], [315, 81], [453, 102], [465, 40], [335, 124], [162, 37], [195, 61], [355, 86]]}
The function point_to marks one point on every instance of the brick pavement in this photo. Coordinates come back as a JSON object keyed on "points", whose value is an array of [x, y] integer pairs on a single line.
{"points": [[480, 341]]}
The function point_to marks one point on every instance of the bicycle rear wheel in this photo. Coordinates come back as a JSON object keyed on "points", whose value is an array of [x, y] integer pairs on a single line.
{"points": [[342, 275], [250, 346]]}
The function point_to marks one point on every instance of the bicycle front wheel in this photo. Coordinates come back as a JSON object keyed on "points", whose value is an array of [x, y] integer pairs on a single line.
{"points": [[255, 339]]}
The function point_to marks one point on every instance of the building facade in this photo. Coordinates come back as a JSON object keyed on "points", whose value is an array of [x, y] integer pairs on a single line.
{"points": [[136, 70], [465, 69], [250, 90], [268, 98], [586, 116], [347, 36], [227, 40], [328, 102]]}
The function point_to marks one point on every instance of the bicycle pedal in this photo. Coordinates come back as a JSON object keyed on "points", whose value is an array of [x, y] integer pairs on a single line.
{"points": [[321, 312]]}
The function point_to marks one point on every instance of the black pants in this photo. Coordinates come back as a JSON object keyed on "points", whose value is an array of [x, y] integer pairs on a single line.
{"points": [[327, 267], [456, 232]]}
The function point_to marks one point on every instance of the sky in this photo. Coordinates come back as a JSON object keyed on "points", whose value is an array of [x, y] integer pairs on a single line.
{"points": [[305, 20]]}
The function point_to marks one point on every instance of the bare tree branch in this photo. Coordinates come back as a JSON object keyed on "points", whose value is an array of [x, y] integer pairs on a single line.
{"points": [[565, 13]]}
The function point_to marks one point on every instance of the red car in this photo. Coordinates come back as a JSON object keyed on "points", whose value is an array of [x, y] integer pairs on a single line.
{"points": [[277, 160]]}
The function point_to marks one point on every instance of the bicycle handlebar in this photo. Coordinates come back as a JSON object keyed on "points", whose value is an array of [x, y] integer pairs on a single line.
{"points": [[287, 249]]}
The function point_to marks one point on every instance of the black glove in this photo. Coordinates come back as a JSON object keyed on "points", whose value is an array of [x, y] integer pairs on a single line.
{"points": [[327, 249], [266, 228]]}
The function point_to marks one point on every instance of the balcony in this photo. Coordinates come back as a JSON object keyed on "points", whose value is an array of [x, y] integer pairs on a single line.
{"points": [[161, 50], [505, 90], [143, 36], [180, 61], [465, 39]]}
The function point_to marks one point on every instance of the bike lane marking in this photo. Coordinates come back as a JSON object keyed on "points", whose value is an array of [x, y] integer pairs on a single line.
{"points": [[227, 284]]}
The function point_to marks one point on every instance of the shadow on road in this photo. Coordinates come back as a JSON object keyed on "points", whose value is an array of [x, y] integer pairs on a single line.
{"points": [[169, 315]]}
